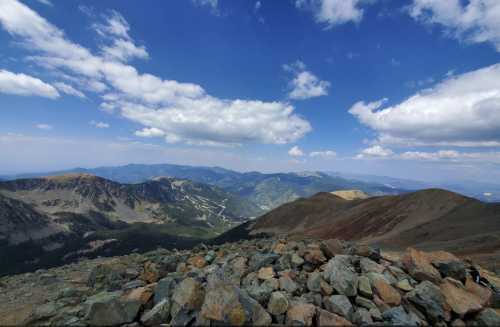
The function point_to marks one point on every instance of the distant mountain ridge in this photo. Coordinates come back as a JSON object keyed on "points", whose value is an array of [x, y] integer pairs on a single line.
{"points": [[267, 191]]}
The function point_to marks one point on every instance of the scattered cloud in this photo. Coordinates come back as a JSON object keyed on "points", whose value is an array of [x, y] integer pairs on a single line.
{"points": [[150, 132], [184, 112], [295, 151], [212, 4], [395, 62], [474, 21], [305, 84], [68, 89], [44, 127], [462, 110], [327, 154], [375, 151], [334, 12], [99, 124], [25, 85], [46, 2]]}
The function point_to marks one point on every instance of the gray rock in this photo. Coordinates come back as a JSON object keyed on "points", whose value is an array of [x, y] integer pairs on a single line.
{"points": [[164, 289], [428, 297], [260, 260], [107, 308], [364, 287], [488, 317], [314, 282], [341, 274], [158, 315], [296, 260], [287, 284], [339, 304], [453, 269], [278, 303], [367, 265], [365, 303], [399, 317], [133, 284], [362, 317]]}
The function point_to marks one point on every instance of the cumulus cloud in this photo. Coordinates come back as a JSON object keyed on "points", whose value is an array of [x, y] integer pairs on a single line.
{"points": [[21, 84], [334, 12], [184, 112], [474, 21], [462, 110], [305, 84], [295, 151], [45, 127], [327, 154], [150, 132], [99, 124], [68, 89], [46, 2]]}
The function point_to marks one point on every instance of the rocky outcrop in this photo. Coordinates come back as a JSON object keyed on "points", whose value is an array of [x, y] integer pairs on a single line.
{"points": [[262, 282]]}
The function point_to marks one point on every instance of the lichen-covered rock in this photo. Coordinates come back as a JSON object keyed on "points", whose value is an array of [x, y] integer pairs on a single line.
{"points": [[341, 274], [188, 296], [107, 308], [327, 319], [364, 287], [428, 297], [159, 314], [339, 304], [301, 314], [397, 316], [278, 303], [488, 317]]}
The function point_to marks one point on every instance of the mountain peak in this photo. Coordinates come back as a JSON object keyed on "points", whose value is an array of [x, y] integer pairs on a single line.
{"points": [[351, 194]]}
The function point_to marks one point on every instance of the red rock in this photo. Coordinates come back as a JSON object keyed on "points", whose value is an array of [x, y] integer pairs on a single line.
{"points": [[151, 273], [483, 293], [198, 261], [300, 314], [314, 255], [419, 267], [141, 294], [458, 298], [387, 293], [436, 257], [327, 318], [265, 273], [332, 247]]}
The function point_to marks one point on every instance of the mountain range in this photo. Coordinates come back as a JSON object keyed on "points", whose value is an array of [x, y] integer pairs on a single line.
{"points": [[432, 219]]}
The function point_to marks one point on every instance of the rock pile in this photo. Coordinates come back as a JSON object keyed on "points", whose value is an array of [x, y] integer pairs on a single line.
{"points": [[278, 281]]}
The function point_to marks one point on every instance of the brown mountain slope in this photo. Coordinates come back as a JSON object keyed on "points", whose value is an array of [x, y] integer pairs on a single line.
{"points": [[431, 219]]}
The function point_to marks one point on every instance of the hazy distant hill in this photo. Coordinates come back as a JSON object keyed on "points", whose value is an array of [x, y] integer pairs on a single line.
{"points": [[267, 191]]}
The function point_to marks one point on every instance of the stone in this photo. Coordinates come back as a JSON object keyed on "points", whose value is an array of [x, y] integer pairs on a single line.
{"points": [[278, 303], [364, 303], [326, 289], [265, 273], [287, 284], [188, 296], [398, 273], [404, 285], [386, 292], [484, 294], [260, 260], [141, 294], [339, 304], [314, 282], [397, 316], [107, 276], [197, 261], [428, 297], [106, 308], [419, 266], [301, 314], [164, 289], [375, 313], [341, 274], [133, 284], [362, 317], [367, 265], [296, 260], [332, 247], [488, 317], [314, 255], [458, 298], [458, 323], [159, 314], [364, 287], [453, 269], [279, 247], [326, 319], [151, 272]]}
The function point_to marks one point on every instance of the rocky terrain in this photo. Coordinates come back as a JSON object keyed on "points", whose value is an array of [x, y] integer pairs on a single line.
{"points": [[257, 282], [431, 219]]}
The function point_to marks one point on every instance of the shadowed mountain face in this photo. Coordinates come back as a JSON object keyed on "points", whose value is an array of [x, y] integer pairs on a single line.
{"points": [[266, 191], [429, 219], [82, 212]]}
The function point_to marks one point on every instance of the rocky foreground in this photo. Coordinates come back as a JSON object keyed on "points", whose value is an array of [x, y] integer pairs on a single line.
{"points": [[257, 282]]}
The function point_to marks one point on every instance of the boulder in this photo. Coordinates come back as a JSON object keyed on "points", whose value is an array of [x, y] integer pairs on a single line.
{"points": [[367, 265], [341, 274], [364, 303], [164, 289], [332, 247], [488, 317], [484, 294], [364, 287], [458, 298], [404, 285], [419, 266], [108, 308], [386, 292], [287, 284], [339, 304], [188, 296], [314, 282], [151, 272], [362, 317], [301, 314], [326, 319], [260, 260], [314, 255], [278, 303], [397, 316], [453, 269], [428, 297], [159, 314]]}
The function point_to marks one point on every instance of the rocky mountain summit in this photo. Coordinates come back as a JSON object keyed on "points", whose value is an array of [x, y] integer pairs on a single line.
{"points": [[269, 281]]}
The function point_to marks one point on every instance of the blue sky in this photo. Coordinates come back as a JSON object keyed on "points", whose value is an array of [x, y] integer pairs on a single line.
{"points": [[401, 88]]}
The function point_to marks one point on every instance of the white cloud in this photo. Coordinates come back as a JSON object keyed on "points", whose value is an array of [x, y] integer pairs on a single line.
{"points": [[68, 89], [334, 12], [212, 4], [99, 124], [44, 127], [184, 112], [46, 2], [295, 151], [474, 21], [305, 84], [150, 132], [21, 84], [323, 154], [463, 110], [375, 151]]}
